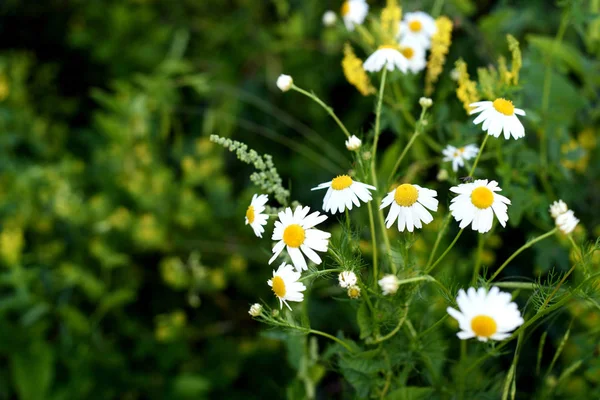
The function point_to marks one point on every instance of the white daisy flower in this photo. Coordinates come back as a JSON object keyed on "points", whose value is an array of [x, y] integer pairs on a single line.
{"points": [[409, 203], [284, 82], [255, 310], [295, 230], [557, 208], [285, 285], [342, 192], [566, 222], [418, 26], [353, 143], [490, 315], [329, 18], [347, 278], [354, 292], [354, 12], [477, 203], [389, 284], [255, 216], [497, 116], [387, 56], [459, 155], [414, 52]]}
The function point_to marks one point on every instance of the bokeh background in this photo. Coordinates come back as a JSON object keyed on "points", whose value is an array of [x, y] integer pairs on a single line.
{"points": [[126, 271]]}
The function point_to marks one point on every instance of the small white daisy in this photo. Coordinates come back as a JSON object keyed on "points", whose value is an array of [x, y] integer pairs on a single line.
{"points": [[285, 285], [388, 56], [389, 284], [284, 82], [347, 278], [566, 222], [414, 53], [329, 18], [354, 12], [353, 143], [255, 310], [490, 315], [497, 116], [557, 208], [477, 203], [342, 192], [459, 155], [418, 26], [409, 203], [295, 230], [254, 215]]}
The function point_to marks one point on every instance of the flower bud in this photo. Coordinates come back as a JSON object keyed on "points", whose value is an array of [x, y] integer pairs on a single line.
{"points": [[255, 310], [329, 18], [389, 284], [425, 102], [284, 82], [353, 143]]}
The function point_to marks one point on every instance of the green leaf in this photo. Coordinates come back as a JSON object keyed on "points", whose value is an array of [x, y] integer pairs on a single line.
{"points": [[190, 386], [411, 393], [365, 323], [561, 52], [32, 371]]}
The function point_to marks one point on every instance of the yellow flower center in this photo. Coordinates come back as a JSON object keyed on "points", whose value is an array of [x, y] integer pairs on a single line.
{"points": [[482, 197], [415, 26], [341, 182], [504, 106], [482, 325], [354, 292], [406, 195], [250, 214], [345, 8], [278, 286], [293, 235], [408, 52]]}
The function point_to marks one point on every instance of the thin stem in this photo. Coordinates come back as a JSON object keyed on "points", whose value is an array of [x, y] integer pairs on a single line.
{"points": [[325, 106], [478, 155], [445, 252], [521, 249], [380, 339], [438, 240], [437, 8], [373, 244], [327, 335], [348, 222], [517, 285], [480, 243]]}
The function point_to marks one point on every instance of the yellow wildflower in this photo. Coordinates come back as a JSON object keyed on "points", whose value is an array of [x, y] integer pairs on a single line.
{"points": [[354, 72], [4, 87], [467, 89], [576, 157], [390, 20], [513, 75], [440, 43], [587, 139]]}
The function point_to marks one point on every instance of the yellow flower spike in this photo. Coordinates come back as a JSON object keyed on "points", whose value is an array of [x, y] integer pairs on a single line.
{"points": [[467, 89], [517, 62], [390, 20], [440, 43], [354, 72], [587, 139]]}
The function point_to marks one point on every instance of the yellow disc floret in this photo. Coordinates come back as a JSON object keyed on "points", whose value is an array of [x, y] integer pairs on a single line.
{"points": [[482, 197], [250, 214], [406, 195], [408, 52], [504, 106], [293, 235], [482, 325], [345, 8], [341, 182], [415, 26], [278, 286]]}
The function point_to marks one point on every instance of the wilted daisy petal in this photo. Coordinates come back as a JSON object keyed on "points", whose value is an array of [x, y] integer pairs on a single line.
{"points": [[295, 232], [499, 116], [409, 204], [285, 285], [477, 203], [353, 143], [255, 216], [389, 284], [343, 192], [485, 315], [347, 278]]}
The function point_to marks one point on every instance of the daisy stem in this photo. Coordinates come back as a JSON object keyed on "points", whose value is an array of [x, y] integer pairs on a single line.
{"points": [[325, 106], [480, 243], [445, 252], [380, 339], [521, 249], [365, 292], [417, 132], [478, 155], [373, 244], [437, 8], [335, 339], [348, 223], [438, 240]]}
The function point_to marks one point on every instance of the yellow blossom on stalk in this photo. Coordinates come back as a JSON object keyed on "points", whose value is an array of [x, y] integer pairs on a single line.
{"points": [[390, 20], [587, 139], [440, 43], [354, 72], [4, 87], [577, 158], [467, 89], [513, 75]]}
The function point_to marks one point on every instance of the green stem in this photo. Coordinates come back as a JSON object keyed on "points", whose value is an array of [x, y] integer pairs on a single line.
{"points": [[445, 252], [479, 154], [410, 143], [438, 239], [380, 339], [480, 243], [335, 339], [521, 249], [325, 106], [348, 222], [373, 244], [437, 8], [517, 285]]}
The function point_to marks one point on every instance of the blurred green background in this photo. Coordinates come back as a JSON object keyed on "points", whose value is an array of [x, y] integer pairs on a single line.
{"points": [[126, 269]]}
